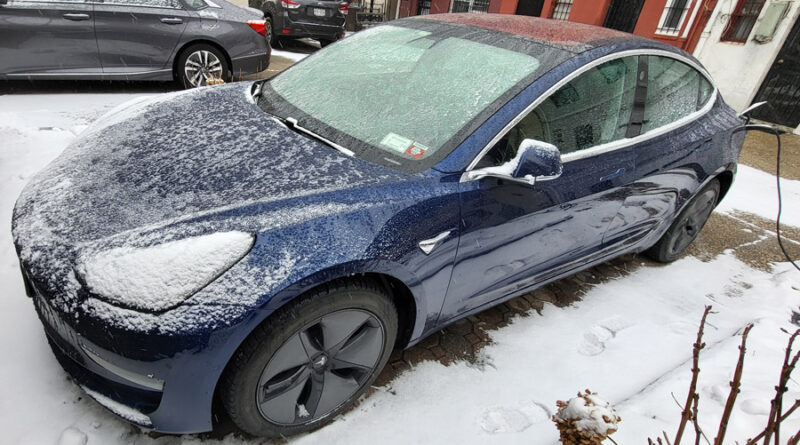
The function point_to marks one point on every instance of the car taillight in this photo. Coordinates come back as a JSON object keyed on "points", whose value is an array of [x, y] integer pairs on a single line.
{"points": [[343, 7], [290, 4], [259, 26]]}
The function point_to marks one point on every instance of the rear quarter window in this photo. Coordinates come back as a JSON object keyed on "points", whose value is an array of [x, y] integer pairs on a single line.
{"points": [[674, 91]]}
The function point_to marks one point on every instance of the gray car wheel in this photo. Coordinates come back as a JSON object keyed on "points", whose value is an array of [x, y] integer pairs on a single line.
{"points": [[310, 360], [201, 65]]}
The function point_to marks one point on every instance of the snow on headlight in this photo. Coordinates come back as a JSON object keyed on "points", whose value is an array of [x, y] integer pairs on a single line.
{"points": [[160, 277]]}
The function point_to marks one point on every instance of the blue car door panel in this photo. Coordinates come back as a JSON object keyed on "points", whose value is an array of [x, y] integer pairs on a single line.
{"points": [[514, 235]]}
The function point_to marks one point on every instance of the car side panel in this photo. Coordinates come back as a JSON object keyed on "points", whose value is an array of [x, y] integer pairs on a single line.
{"points": [[55, 38], [670, 169], [138, 38]]}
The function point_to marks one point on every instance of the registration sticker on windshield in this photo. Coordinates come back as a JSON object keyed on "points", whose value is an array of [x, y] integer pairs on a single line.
{"points": [[416, 150], [397, 142]]}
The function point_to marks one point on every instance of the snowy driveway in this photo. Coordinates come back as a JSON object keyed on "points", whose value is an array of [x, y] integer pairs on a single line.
{"points": [[628, 338]]}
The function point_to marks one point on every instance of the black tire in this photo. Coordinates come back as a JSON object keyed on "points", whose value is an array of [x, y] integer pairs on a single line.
{"points": [[215, 61], [265, 400], [325, 42], [272, 38], [687, 225]]}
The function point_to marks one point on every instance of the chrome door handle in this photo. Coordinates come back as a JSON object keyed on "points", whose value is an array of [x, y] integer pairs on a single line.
{"points": [[172, 20], [75, 17], [428, 245]]}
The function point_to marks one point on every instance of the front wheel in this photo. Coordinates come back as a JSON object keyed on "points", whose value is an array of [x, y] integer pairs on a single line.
{"points": [[310, 360], [201, 65], [687, 225]]}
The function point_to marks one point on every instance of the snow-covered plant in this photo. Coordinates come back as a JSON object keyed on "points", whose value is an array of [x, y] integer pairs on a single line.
{"points": [[585, 420]]}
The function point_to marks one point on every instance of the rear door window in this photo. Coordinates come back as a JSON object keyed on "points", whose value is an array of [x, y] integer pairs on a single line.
{"points": [[674, 91]]}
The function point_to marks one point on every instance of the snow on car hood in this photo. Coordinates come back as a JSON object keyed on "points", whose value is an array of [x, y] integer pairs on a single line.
{"points": [[176, 156]]}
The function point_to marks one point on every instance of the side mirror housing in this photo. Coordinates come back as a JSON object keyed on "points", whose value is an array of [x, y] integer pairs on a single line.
{"points": [[535, 161], [539, 160]]}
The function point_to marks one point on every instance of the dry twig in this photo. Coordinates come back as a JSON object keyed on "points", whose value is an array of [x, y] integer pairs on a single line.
{"points": [[736, 383], [774, 420], [687, 407]]}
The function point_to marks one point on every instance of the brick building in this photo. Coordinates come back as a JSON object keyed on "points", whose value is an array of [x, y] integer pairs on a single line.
{"points": [[677, 22]]}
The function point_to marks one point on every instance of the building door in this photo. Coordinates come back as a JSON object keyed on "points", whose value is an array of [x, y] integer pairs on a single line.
{"points": [[530, 7], [623, 14], [781, 87]]}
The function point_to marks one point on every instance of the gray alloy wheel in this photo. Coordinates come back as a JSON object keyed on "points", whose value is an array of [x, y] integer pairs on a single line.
{"points": [[311, 359], [320, 367], [687, 225], [201, 66], [200, 63]]}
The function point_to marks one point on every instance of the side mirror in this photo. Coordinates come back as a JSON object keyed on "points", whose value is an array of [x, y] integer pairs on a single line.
{"points": [[535, 161]]}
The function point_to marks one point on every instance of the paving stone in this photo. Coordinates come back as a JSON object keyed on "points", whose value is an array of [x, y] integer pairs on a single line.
{"points": [[478, 346], [396, 355], [456, 346], [482, 335], [519, 304], [472, 338], [416, 355], [430, 341], [438, 352], [491, 316], [461, 327], [545, 294]]}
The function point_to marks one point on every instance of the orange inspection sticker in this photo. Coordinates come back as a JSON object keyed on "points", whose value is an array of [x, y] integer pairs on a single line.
{"points": [[416, 150]]}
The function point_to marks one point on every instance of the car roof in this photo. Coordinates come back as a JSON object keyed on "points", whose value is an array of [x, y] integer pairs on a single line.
{"points": [[564, 33]]}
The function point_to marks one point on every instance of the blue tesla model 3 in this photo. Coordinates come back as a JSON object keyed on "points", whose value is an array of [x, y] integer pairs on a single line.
{"points": [[268, 244]]}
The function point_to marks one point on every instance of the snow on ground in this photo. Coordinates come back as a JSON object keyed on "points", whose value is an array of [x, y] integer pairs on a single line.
{"points": [[628, 339], [755, 192], [289, 55]]}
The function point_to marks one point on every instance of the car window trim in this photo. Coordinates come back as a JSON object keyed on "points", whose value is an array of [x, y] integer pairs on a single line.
{"points": [[620, 143], [180, 6]]}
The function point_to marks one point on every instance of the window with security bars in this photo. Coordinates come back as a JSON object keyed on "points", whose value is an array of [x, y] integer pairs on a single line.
{"points": [[424, 7], [742, 20], [471, 6], [561, 9], [674, 14]]}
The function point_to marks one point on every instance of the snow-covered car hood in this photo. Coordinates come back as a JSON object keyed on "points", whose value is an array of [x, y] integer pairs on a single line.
{"points": [[176, 156]]}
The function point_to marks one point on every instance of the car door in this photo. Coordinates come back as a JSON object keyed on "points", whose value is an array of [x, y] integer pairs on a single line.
{"points": [[47, 37], [139, 35], [674, 145], [514, 235]]}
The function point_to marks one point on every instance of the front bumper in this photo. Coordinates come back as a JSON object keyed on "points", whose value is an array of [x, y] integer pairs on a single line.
{"points": [[169, 394]]}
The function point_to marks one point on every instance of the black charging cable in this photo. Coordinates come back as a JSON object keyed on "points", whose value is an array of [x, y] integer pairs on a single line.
{"points": [[772, 130]]}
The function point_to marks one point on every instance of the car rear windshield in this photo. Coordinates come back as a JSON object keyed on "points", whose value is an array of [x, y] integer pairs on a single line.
{"points": [[405, 96]]}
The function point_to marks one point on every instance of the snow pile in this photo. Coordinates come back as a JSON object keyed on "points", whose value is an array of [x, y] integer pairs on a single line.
{"points": [[586, 419], [157, 278]]}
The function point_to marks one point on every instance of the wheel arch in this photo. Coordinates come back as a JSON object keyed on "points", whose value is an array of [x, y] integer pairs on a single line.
{"points": [[185, 46], [725, 179]]}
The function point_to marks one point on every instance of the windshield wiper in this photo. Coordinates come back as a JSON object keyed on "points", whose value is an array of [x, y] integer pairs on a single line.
{"points": [[292, 123]]}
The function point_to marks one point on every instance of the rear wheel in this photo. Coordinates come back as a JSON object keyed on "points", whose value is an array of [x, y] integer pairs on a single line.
{"points": [[310, 360], [687, 225], [272, 38], [200, 65]]}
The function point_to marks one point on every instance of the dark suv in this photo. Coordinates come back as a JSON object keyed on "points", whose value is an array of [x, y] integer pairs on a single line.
{"points": [[319, 19]]}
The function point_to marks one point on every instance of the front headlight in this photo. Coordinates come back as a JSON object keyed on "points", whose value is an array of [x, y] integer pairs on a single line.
{"points": [[161, 277]]}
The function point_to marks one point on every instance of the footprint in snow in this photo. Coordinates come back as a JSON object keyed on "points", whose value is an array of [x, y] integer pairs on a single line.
{"points": [[72, 436], [595, 339], [502, 419]]}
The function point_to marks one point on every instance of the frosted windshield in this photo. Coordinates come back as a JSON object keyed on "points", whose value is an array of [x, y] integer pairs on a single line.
{"points": [[404, 91]]}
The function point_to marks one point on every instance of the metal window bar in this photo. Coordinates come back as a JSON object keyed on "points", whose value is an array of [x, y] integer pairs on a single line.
{"points": [[675, 11], [471, 6], [561, 9], [424, 7], [742, 20]]}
